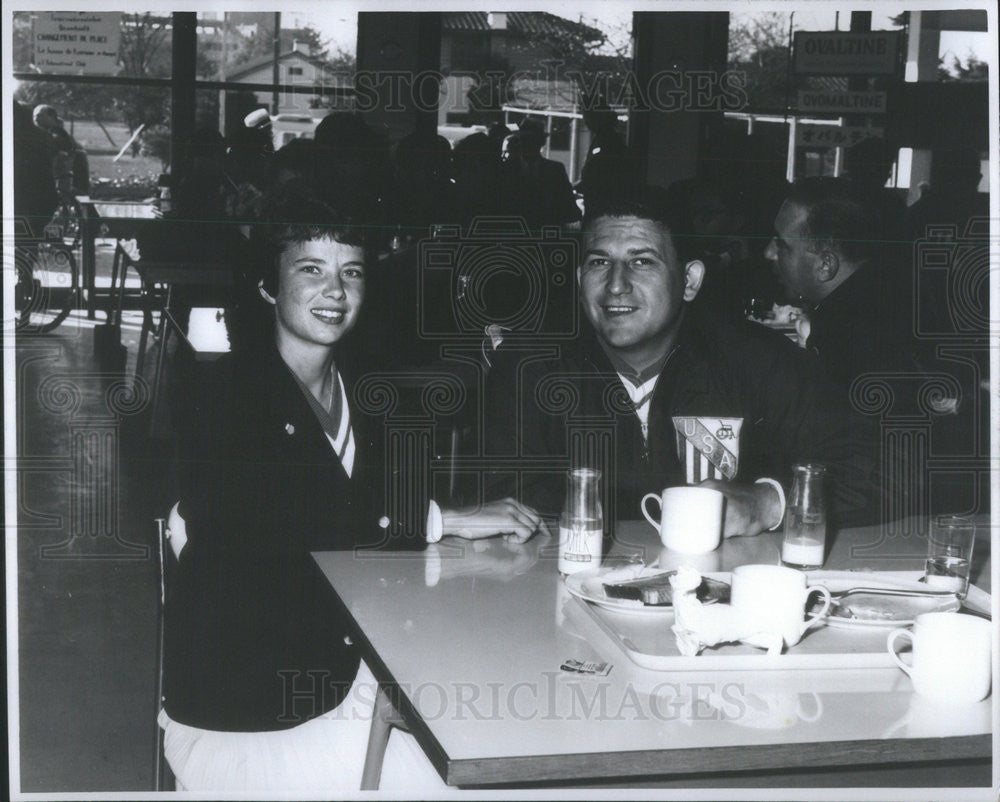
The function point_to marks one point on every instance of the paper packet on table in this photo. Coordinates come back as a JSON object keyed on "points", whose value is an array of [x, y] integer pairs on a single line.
{"points": [[697, 626]]}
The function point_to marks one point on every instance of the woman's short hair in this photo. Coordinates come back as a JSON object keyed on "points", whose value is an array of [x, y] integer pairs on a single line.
{"points": [[294, 216]]}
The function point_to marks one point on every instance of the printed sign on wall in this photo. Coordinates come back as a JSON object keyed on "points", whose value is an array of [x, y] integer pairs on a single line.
{"points": [[823, 100], [77, 42], [844, 53]]}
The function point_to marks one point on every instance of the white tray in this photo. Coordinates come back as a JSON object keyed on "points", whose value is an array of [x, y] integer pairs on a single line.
{"points": [[649, 641]]}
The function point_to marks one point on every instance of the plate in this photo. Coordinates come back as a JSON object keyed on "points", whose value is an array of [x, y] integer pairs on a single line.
{"points": [[589, 586], [873, 611]]}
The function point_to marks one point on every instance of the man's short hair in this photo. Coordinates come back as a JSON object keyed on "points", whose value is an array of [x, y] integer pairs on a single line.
{"points": [[649, 203], [840, 216], [42, 109], [296, 216]]}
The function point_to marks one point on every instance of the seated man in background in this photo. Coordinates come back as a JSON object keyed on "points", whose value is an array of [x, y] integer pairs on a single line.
{"points": [[264, 689], [832, 257], [858, 287], [657, 390]]}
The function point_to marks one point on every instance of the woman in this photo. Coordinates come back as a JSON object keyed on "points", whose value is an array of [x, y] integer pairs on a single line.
{"points": [[264, 690]]}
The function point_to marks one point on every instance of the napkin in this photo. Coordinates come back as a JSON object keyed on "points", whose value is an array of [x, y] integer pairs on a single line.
{"points": [[697, 626]]}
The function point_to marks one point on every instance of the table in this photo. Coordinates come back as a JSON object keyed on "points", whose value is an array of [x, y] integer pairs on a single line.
{"points": [[470, 636], [106, 219]]}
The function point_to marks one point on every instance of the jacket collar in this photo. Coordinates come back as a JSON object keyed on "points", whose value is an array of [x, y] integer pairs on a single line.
{"points": [[284, 408]]}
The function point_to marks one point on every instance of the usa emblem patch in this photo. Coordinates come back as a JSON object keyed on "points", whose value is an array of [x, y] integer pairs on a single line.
{"points": [[709, 448]]}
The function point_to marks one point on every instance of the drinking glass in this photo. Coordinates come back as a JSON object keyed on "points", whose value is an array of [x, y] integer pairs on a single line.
{"points": [[949, 554], [805, 519], [581, 525]]}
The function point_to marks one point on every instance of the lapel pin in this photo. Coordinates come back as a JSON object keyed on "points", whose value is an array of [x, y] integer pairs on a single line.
{"points": [[289, 428]]}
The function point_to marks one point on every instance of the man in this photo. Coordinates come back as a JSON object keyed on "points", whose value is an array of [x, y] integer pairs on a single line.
{"points": [[656, 391], [531, 186], [857, 287], [831, 256], [35, 197], [69, 160], [608, 165]]}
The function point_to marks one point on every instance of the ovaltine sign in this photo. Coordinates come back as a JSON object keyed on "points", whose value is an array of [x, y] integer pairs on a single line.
{"points": [[814, 100], [846, 53]]}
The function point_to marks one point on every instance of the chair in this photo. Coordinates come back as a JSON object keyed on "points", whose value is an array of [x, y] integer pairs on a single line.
{"points": [[163, 777], [211, 282]]}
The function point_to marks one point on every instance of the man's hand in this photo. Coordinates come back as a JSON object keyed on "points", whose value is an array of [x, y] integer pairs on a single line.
{"points": [[750, 509], [504, 517]]}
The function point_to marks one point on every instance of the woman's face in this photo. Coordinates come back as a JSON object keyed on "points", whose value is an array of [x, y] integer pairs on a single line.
{"points": [[321, 285]]}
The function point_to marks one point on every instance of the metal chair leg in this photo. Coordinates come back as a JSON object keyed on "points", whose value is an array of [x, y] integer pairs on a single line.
{"points": [[164, 334], [147, 317], [384, 718], [163, 777]]}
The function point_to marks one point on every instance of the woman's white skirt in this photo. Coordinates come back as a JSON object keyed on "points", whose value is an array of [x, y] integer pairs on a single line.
{"points": [[323, 757]]}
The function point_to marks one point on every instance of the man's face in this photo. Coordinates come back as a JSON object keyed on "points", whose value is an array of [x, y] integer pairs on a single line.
{"points": [[794, 264], [321, 285], [632, 285], [47, 120]]}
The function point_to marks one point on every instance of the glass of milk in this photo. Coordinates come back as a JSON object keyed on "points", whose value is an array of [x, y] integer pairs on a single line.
{"points": [[804, 543]]}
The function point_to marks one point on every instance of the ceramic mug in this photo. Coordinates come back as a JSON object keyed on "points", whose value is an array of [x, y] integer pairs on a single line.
{"points": [[774, 597], [690, 518], [951, 656]]}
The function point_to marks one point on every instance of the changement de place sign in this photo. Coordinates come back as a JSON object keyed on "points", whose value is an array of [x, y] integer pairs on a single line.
{"points": [[77, 42]]}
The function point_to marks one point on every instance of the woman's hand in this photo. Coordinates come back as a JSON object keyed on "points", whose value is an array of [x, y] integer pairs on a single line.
{"points": [[504, 517]]}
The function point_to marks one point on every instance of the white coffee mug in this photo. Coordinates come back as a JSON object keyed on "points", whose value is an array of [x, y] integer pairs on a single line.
{"points": [[690, 518], [774, 597], [951, 656]]}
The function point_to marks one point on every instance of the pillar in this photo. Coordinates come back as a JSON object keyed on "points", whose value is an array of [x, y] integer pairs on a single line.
{"points": [[678, 56], [399, 59]]}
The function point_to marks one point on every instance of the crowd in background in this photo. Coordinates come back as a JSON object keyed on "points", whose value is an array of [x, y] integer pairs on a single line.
{"points": [[410, 190]]}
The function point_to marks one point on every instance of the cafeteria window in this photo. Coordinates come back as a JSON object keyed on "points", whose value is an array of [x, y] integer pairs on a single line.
{"points": [[116, 101]]}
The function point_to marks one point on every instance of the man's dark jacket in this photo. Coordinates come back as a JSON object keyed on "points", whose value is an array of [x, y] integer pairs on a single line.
{"points": [[248, 613], [866, 327], [542, 408]]}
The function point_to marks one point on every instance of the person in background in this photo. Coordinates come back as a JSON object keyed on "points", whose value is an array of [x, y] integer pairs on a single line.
{"points": [[350, 158], [682, 395], [608, 165], [248, 163], [829, 253], [423, 189], [68, 159], [533, 187], [264, 689], [35, 195], [476, 170]]}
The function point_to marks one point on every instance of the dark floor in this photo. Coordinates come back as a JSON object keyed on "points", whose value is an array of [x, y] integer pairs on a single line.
{"points": [[89, 486]]}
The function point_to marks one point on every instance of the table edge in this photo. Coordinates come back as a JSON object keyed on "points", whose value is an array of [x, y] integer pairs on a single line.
{"points": [[414, 721], [699, 760]]}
